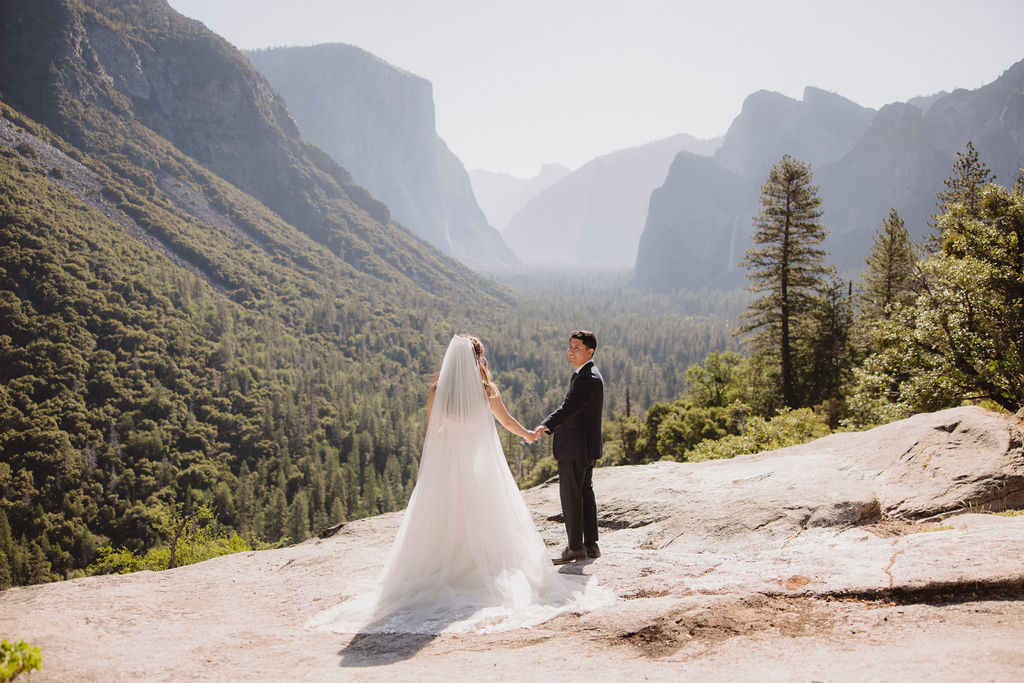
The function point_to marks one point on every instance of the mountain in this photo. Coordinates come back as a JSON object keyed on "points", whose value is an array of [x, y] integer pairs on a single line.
{"points": [[820, 128], [501, 195], [197, 306], [864, 163], [131, 72], [699, 222], [377, 122], [696, 230], [924, 102], [906, 153], [992, 117], [602, 205], [893, 165]]}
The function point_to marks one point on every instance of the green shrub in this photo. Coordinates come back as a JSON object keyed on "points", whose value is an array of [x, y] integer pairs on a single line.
{"points": [[27, 150], [191, 540], [17, 659], [788, 428], [542, 470]]}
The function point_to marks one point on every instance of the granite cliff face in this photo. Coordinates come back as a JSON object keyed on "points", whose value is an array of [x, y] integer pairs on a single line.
{"points": [[603, 205], [865, 163], [377, 122], [697, 227], [820, 128]]}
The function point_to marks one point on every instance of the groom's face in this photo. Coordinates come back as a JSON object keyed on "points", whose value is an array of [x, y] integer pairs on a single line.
{"points": [[579, 353]]}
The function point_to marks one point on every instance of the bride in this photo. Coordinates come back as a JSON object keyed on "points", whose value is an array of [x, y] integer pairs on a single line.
{"points": [[467, 556]]}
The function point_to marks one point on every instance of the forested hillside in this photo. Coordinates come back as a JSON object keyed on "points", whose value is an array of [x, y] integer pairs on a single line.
{"points": [[200, 308], [132, 378], [175, 336]]}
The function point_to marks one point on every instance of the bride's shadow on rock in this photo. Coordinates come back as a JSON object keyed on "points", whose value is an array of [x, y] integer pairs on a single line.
{"points": [[371, 647], [381, 649]]}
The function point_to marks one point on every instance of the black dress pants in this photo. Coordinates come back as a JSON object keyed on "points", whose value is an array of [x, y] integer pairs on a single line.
{"points": [[579, 509]]}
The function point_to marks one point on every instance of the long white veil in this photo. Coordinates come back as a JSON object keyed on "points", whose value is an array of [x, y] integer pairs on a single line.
{"points": [[467, 555]]}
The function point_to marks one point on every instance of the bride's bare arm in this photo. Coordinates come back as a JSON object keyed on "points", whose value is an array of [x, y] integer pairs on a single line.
{"points": [[507, 421]]}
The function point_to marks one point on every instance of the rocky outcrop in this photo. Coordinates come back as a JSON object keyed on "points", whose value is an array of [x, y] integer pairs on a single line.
{"points": [[377, 121], [797, 562], [602, 205]]}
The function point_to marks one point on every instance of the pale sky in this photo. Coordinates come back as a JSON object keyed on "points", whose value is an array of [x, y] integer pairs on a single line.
{"points": [[518, 83]]}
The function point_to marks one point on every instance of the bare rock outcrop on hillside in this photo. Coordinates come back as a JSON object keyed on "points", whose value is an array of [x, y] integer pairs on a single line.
{"points": [[856, 556]]}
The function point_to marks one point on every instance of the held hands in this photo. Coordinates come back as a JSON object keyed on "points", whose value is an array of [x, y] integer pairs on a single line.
{"points": [[534, 434]]}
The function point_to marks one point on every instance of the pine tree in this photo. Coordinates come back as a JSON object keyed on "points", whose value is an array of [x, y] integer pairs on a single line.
{"points": [[6, 576], [830, 350], [6, 539], [39, 566], [786, 269], [890, 267], [275, 518], [970, 175], [298, 518]]}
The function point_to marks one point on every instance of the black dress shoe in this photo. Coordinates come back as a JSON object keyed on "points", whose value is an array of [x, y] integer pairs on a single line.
{"points": [[593, 552], [570, 555]]}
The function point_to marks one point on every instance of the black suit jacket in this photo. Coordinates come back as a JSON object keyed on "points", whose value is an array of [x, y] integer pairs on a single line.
{"points": [[576, 424]]}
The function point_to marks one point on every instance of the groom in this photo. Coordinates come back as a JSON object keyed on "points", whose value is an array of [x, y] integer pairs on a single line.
{"points": [[576, 426]]}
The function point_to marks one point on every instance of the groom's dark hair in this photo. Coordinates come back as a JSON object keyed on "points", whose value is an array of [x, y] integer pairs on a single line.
{"points": [[588, 338]]}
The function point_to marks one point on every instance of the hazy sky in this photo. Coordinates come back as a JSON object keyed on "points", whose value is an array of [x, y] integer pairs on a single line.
{"points": [[518, 83]]}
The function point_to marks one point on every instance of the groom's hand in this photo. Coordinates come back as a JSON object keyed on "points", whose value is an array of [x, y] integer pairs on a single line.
{"points": [[538, 431]]}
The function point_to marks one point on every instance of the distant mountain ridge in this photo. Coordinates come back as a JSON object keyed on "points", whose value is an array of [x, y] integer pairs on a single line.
{"points": [[864, 162], [502, 195], [601, 205], [377, 121], [820, 128]]}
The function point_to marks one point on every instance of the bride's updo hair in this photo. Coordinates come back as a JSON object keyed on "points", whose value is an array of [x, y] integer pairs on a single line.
{"points": [[481, 361]]}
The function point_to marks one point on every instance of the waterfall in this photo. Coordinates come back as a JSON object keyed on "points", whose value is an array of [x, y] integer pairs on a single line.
{"points": [[731, 255]]}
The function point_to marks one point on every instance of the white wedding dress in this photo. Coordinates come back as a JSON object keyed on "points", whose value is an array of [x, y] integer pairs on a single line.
{"points": [[467, 556]]}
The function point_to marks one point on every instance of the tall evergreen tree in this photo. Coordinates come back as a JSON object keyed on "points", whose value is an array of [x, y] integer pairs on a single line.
{"points": [[297, 527], [6, 576], [890, 266], [6, 539], [830, 353], [787, 270], [970, 175]]}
